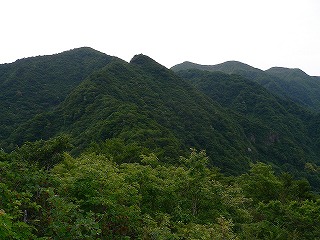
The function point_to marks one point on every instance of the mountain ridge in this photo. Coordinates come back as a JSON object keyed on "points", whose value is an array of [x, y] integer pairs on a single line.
{"points": [[133, 150], [227, 66], [33, 85], [234, 63], [145, 103], [288, 83]]}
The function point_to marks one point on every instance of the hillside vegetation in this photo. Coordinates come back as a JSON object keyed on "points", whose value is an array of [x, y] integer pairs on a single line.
{"points": [[93, 197], [144, 103], [34, 85], [94, 147]]}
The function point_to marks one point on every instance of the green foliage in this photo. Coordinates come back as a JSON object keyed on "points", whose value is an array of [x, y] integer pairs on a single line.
{"points": [[297, 220], [188, 197], [46, 153], [93, 197], [153, 201], [94, 185], [68, 221], [261, 184], [117, 150], [10, 229], [20, 194]]}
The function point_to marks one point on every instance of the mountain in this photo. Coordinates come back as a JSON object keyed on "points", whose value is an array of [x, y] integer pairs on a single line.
{"points": [[104, 153], [301, 87], [287, 83], [143, 105], [34, 85], [277, 128], [142, 102], [227, 67]]}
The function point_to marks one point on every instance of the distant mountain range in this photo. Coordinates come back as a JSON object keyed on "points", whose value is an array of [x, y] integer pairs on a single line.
{"points": [[288, 83], [237, 113]]}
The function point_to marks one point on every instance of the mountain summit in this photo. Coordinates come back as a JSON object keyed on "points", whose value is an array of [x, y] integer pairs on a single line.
{"points": [[227, 67], [35, 85]]}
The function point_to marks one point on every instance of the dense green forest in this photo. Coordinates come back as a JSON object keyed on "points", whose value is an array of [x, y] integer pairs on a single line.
{"points": [[48, 194], [93, 147], [34, 85], [142, 103], [277, 128]]}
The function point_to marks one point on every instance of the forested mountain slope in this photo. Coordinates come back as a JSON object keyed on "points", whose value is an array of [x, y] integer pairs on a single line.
{"points": [[142, 102], [277, 128], [300, 86], [34, 85], [104, 153], [286, 83]]}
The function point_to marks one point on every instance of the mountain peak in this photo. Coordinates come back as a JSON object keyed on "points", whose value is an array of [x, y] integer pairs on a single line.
{"points": [[227, 67], [234, 66], [287, 71], [147, 62], [79, 53], [141, 59]]}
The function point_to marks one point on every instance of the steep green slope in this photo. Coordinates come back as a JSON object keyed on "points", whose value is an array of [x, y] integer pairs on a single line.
{"points": [[299, 86], [277, 128], [34, 85], [287, 83], [143, 102]]}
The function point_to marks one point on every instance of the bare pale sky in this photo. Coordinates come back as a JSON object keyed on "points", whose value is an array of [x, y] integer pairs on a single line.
{"points": [[261, 33]]}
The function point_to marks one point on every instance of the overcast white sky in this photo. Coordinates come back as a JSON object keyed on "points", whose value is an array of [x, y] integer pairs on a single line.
{"points": [[261, 33]]}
